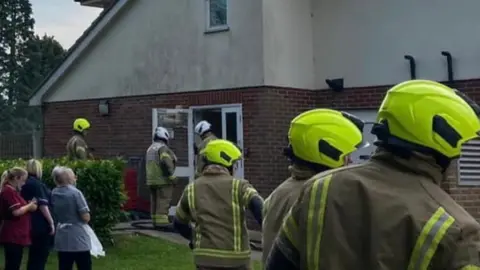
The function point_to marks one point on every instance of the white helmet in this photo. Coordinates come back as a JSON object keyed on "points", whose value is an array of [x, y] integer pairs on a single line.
{"points": [[161, 133], [202, 127]]}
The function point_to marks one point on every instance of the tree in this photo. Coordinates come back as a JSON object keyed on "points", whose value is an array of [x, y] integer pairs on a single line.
{"points": [[16, 29], [42, 56], [25, 61]]}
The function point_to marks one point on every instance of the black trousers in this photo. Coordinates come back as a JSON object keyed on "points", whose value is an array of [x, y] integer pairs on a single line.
{"points": [[39, 251], [82, 259], [13, 256]]}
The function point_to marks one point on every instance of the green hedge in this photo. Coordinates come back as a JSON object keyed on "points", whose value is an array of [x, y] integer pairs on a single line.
{"points": [[101, 181]]}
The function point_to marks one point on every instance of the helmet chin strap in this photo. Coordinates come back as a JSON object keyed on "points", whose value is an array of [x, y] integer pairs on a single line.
{"points": [[405, 149]]}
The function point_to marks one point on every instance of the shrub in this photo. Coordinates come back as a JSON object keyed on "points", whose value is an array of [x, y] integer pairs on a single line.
{"points": [[101, 181]]}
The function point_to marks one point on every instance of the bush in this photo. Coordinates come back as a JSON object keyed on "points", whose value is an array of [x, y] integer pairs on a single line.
{"points": [[101, 181]]}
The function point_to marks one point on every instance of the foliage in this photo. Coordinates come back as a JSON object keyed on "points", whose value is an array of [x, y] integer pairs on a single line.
{"points": [[43, 55], [101, 181], [25, 61], [16, 29]]}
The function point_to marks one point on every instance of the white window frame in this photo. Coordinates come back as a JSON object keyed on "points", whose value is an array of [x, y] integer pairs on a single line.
{"points": [[217, 28], [470, 152]]}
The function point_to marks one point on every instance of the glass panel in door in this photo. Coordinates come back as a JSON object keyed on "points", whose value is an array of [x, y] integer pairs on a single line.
{"points": [[232, 130]]}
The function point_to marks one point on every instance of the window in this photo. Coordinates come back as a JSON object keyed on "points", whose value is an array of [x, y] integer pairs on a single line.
{"points": [[469, 164], [217, 15]]}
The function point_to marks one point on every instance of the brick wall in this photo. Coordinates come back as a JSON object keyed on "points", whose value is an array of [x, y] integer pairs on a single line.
{"points": [[127, 130], [266, 114]]}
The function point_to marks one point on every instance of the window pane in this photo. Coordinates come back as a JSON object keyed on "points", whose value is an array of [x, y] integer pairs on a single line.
{"points": [[218, 12], [231, 122]]}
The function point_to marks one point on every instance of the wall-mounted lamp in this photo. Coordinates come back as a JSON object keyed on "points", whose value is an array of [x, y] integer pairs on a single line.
{"points": [[335, 84], [413, 66], [448, 55], [104, 108]]}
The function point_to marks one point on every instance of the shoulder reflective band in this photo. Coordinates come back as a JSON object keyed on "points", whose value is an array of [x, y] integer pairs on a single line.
{"points": [[429, 239], [315, 220]]}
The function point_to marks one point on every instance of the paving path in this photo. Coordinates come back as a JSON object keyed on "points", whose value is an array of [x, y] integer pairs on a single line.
{"points": [[126, 227]]}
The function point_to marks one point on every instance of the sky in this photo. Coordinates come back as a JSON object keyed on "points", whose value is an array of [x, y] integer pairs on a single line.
{"points": [[64, 19]]}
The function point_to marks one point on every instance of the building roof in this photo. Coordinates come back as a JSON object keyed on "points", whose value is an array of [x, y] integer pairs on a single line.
{"points": [[76, 50]]}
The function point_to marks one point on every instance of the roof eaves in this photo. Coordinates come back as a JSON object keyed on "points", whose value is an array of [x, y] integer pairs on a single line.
{"points": [[74, 52]]}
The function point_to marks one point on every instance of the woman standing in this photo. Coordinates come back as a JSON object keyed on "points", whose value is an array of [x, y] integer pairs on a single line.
{"points": [[71, 213], [42, 227], [14, 211]]}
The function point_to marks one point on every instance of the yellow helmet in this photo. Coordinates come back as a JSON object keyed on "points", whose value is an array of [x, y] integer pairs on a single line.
{"points": [[81, 124], [221, 152], [428, 115], [324, 137]]}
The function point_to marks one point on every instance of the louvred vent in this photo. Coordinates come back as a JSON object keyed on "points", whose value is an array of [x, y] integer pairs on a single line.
{"points": [[469, 163]]}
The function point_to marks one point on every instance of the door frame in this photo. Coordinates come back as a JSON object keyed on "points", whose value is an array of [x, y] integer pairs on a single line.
{"points": [[216, 106], [238, 108], [181, 171], [233, 107], [239, 142]]}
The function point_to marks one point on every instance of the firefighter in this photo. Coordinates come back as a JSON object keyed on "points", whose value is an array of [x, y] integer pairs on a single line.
{"points": [[216, 203], [77, 147], [204, 130], [160, 168], [390, 212], [321, 129]]}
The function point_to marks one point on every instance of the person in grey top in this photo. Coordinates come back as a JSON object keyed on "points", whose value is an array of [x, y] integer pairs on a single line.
{"points": [[71, 214]]}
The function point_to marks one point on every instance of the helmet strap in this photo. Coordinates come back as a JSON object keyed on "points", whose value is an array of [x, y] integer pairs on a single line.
{"points": [[403, 148]]}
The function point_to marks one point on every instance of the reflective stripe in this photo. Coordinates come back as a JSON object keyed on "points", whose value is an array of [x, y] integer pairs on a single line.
{"points": [[160, 219], [165, 155], [219, 253], [249, 193], [192, 206], [315, 220], [191, 199], [290, 229], [237, 224], [430, 237], [470, 267]]}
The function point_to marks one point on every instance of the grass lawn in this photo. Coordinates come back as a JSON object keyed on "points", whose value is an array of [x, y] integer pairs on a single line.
{"points": [[134, 252]]}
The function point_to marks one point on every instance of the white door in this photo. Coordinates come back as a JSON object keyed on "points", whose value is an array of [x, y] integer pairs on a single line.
{"points": [[232, 130], [369, 117], [179, 124]]}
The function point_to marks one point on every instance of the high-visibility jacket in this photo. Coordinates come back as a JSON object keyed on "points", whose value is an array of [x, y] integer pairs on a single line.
{"points": [[278, 204], [216, 203], [199, 164], [160, 165], [389, 213], [77, 148]]}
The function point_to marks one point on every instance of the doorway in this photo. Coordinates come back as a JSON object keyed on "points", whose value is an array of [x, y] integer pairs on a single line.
{"points": [[226, 123]]}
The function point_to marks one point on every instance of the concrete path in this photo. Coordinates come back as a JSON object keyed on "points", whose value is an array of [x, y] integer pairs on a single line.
{"points": [[126, 228]]}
